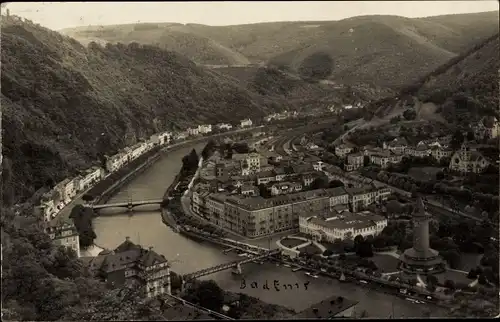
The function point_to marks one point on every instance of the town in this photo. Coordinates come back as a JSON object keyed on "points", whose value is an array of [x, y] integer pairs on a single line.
{"points": [[277, 183], [280, 164]]}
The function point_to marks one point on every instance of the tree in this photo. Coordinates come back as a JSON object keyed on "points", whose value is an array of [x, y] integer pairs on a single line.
{"points": [[449, 284], [452, 257], [409, 114], [457, 139], [241, 147], [319, 183], [364, 249], [394, 207], [208, 149], [207, 294], [316, 66], [336, 183], [366, 161], [87, 197], [482, 279], [358, 240], [327, 252], [380, 241], [431, 279], [263, 191]]}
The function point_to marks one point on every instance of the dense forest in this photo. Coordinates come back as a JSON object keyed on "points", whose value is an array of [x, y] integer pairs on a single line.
{"points": [[465, 88], [65, 105]]}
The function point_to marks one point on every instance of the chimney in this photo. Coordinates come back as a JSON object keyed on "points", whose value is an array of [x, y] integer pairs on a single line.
{"points": [[150, 248], [127, 238]]}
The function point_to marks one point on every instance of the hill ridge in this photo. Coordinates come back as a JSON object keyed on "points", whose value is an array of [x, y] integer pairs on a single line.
{"points": [[59, 96], [413, 46]]}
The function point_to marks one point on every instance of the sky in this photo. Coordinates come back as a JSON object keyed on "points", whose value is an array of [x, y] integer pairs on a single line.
{"points": [[60, 15]]}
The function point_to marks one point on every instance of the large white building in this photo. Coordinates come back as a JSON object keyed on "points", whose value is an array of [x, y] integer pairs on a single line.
{"points": [[347, 225], [91, 176], [250, 162], [193, 131], [115, 162], [161, 138], [343, 150], [204, 128], [47, 208], [66, 189], [224, 126], [138, 150], [258, 216], [246, 123]]}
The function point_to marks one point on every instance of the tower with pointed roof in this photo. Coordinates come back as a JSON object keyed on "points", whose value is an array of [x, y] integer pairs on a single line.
{"points": [[421, 258]]}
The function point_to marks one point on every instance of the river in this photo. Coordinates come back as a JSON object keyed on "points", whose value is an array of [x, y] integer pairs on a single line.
{"points": [[146, 228]]}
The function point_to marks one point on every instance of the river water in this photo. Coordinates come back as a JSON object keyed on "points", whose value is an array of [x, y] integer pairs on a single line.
{"points": [[146, 228]]}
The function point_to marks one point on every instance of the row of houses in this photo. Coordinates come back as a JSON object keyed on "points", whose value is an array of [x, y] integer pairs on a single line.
{"points": [[280, 116], [466, 159], [53, 201], [63, 192], [207, 128], [255, 216], [120, 159], [487, 128]]}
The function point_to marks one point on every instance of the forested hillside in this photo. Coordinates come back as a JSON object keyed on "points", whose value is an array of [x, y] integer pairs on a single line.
{"points": [[171, 36], [290, 91], [465, 88], [381, 50], [65, 104]]}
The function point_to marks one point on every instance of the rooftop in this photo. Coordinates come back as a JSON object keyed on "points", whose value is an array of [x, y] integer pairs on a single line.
{"points": [[125, 254], [347, 220], [360, 190]]}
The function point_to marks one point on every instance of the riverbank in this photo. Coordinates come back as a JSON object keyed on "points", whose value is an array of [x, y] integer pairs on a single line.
{"points": [[187, 256]]}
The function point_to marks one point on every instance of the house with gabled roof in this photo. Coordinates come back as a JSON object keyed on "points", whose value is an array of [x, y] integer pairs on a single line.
{"points": [[397, 145], [129, 263], [468, 159]]}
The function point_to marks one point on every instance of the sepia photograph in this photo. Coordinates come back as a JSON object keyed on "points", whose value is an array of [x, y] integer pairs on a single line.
{"points": [[253, 160]]}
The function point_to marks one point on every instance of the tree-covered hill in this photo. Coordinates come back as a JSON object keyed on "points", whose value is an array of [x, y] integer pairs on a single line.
{"points": [[385, 50], [170, 36], [390, 50], [64, 104], [292, 92], [464, 89]]}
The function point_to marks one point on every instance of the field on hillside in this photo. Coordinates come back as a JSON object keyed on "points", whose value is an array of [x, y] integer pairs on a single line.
{"points": [[382, 50]]}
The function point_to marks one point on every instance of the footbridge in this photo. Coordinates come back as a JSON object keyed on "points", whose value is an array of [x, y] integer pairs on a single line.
{"points": [[236, 265], [128, 204]]}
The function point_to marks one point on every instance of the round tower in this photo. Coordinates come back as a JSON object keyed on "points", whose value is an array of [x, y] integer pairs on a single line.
{"points": [[421, 258]]}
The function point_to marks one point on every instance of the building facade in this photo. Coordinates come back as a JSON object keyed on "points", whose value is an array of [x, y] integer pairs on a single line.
{"points": [[65, 235], [468, 160], [246, 123], [354, 161], [346, 225], [132, 264], [258, 216]]}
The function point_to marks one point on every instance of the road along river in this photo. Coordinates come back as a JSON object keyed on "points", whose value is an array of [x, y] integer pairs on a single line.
{"points": [[146, 228]]}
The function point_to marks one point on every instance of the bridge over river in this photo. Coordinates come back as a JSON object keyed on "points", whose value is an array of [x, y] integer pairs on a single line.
{"points": [[129, 204]]}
